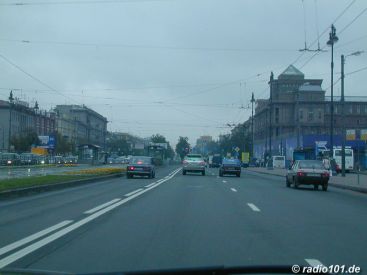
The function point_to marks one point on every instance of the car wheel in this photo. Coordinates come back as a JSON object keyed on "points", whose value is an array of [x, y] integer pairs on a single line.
{"points": [[203, 173], [324, 187], [316, 187], [153, 176], [220, 174], [128, 176], [295, 182], [238, 175], [183, 172], [288, 184]]}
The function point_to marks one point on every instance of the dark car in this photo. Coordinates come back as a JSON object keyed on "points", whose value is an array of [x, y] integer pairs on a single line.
{"points": [[216, 161], [140, 166], [308, 172], [231, 167]]}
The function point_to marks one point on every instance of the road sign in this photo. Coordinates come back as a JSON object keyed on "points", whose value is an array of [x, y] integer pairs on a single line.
{"points": [[237, 149]]}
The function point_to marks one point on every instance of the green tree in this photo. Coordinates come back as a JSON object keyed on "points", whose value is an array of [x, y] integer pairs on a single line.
{"points": [[24, 141], [158, 138], [183, 147], [63, 146], [121, 146]]}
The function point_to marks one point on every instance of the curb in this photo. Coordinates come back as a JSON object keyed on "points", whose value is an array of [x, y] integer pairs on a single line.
{"points": [[347, 187], [53, 186]]}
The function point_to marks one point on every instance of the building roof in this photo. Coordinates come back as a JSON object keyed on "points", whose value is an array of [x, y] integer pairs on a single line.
{"points": [[357, 99], [291, 72], [310, 88]]}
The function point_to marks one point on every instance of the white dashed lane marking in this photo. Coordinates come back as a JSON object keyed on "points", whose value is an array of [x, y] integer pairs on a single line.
{"points": [[314, 262], [253, 207], [233, 189]]}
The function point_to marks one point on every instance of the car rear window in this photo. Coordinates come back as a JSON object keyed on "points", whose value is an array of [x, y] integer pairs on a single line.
{"points": [[141, 161], [231, 161], [311, 165], [193, 156]]}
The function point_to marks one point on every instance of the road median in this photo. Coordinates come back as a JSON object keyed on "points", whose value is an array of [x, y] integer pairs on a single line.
{"points": [[10, 188]]}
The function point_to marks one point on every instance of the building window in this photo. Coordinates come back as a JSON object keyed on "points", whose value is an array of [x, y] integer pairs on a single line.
{"points": [[350, 109], [277, 131], [301, 114], [276, 115], [310, 115], [358, 109], [319, 114], [335, 109]]}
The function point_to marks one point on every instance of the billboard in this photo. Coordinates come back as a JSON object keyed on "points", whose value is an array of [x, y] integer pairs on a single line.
{"points": [[351, 134], [364, 134], [48, 142]]}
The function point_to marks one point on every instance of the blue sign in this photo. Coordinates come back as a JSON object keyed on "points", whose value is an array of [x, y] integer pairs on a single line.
{"points": [[48, 142]]}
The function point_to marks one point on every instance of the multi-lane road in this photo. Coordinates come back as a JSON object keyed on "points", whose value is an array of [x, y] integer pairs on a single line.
{"points": [[183, 221]]}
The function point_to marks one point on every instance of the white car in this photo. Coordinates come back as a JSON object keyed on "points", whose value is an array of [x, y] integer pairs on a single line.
{"points": [[193, 163]]}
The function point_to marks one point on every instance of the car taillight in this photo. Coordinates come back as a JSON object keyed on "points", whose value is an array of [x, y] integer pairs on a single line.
{"points": [[131, 167], [301, 174], [325, 175]]}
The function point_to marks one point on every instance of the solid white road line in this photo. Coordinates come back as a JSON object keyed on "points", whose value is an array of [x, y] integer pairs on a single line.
{"points": [[149, 185], [233, 189], [314, 262], [32, 237], [99, 207], [133, 192], [253, 207], [29, 249]]}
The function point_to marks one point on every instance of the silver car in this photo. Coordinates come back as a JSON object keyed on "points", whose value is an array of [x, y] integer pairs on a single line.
{"points": [[193, 163]]}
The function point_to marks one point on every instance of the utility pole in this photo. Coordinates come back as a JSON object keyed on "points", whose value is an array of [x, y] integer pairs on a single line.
{"points": [[343, 107], [298, 120], [342, 114], [11, 100], [270, 114], [332, 40], [252, 124]]}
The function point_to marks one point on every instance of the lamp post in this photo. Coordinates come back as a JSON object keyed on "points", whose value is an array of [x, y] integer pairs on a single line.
{"points": [[332, 40], [252, 125], [271, 117], [11, 101], [342, 99]]}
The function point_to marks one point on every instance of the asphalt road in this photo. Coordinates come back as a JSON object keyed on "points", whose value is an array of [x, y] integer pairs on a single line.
{"points": [[183, 221]]}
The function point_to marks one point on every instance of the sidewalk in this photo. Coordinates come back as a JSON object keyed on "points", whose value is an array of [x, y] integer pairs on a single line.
{"points": [[350, 181]]}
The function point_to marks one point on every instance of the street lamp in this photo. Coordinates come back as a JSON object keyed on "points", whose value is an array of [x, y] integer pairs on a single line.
{"points": [[342, 99], [332, 40]]}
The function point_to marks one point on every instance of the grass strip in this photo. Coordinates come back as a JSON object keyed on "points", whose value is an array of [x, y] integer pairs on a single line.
{"points": [[10, 184]]}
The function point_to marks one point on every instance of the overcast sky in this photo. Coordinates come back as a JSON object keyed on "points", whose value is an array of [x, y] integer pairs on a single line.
{"points": [[175, 67]]}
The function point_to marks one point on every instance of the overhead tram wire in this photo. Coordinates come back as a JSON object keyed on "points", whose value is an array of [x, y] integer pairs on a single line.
{"points": [[141, 46], [325, 31], [341, 31], [34, 78], [76, 2]]}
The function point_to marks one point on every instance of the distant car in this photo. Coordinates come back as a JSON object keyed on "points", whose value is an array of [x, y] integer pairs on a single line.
{"points": [[216, 161], [10, 159], [28, 159], [193, 163], [308, 172], [231, 167], [140, 166]]}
